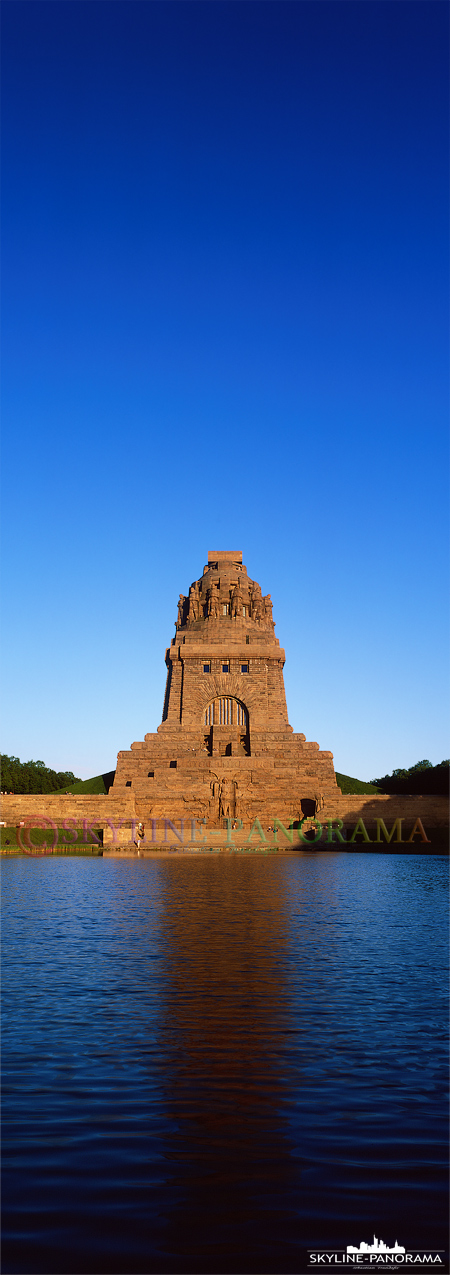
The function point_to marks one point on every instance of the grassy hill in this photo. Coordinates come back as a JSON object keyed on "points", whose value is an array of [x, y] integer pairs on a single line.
{"points": [[349, 785], [99, 784]]}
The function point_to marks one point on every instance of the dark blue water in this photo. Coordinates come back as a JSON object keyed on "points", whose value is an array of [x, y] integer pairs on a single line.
{"points": [[214, 1063]]}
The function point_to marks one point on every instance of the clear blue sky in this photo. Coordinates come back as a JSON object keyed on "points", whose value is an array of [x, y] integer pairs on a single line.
{"points": [[225, 326]]}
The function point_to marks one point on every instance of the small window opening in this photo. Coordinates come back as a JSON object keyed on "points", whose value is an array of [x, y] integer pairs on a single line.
{"points": [[173, 765], [225, 668], [128, 783], [244, 610], [151, 774], [244, 668], [226, 608], [247, 640], [206, 668]]}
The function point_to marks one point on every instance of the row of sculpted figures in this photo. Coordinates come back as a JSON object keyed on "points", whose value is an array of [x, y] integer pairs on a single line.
{"points": [[218, 602]]}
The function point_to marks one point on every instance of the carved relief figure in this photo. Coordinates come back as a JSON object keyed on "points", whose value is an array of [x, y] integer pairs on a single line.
{"points": [[214, 605], [256, 601], [268, 606], [236, 600], [226, 799], [215, 795], [181, 603], [194, 602]]}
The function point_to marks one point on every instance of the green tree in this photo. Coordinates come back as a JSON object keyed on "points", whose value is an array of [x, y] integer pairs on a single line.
{"points": [[32, 776]]}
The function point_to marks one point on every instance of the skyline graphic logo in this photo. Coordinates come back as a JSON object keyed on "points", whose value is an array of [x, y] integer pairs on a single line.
{"points": [[378, 1253], [378, 1246]]}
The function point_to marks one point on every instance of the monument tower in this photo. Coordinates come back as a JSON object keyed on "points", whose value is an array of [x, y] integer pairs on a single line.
{"points": [[225, 748]]}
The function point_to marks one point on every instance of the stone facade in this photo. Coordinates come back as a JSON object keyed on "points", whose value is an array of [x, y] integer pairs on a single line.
{"points": [[225, 753], [116, 816], [225, 747]]}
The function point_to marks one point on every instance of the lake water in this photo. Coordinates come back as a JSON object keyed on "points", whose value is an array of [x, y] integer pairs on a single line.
{"points": [[214, 1063]]}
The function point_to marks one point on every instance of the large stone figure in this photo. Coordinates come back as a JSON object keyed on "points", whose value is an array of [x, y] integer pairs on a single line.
{"points": [[226, 799], [194, 602], [236, 601], [214, 610], [267, 601], [256, 602]]}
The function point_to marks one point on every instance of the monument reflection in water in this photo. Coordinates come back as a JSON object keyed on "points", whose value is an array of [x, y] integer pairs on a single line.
{"points": [[214, 1063], [226, 1014]]}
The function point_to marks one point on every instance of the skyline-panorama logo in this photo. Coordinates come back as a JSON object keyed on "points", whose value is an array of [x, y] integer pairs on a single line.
{"points": [[376, 1253]]}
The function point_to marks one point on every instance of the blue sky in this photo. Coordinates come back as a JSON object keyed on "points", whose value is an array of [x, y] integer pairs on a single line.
{"points": [[225, 326]]}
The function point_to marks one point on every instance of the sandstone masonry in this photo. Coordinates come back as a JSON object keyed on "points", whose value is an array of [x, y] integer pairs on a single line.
{"points": [[225, 747]]}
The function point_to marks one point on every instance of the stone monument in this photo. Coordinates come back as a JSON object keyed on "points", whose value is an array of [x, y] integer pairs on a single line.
{"points": [[225, 749]]}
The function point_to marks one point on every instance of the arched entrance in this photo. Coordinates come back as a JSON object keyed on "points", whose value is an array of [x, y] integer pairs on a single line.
{"points": [[226, 727]]}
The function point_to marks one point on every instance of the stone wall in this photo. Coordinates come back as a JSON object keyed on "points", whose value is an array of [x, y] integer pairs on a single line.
{"points": [[431, 809], [68, 810], [122, 816]]}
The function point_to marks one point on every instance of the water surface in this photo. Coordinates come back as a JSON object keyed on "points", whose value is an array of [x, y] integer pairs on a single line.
{"points": [[213, 1063]]}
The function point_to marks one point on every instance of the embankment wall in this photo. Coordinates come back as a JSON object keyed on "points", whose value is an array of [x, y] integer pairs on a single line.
{"points": [[116, 815]]}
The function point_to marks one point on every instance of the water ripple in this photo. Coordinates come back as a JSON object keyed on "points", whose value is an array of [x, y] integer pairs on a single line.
{"points": [[213, 1063]]}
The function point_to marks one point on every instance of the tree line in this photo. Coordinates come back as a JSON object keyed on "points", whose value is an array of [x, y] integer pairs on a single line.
{"points": [[421, 778], [32, 776]]}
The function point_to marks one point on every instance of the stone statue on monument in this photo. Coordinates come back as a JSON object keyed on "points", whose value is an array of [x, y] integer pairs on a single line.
{"points": [[267, 602], [255, 601], [226, 799], [194, 602], [236, 600], [214, 605]]}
